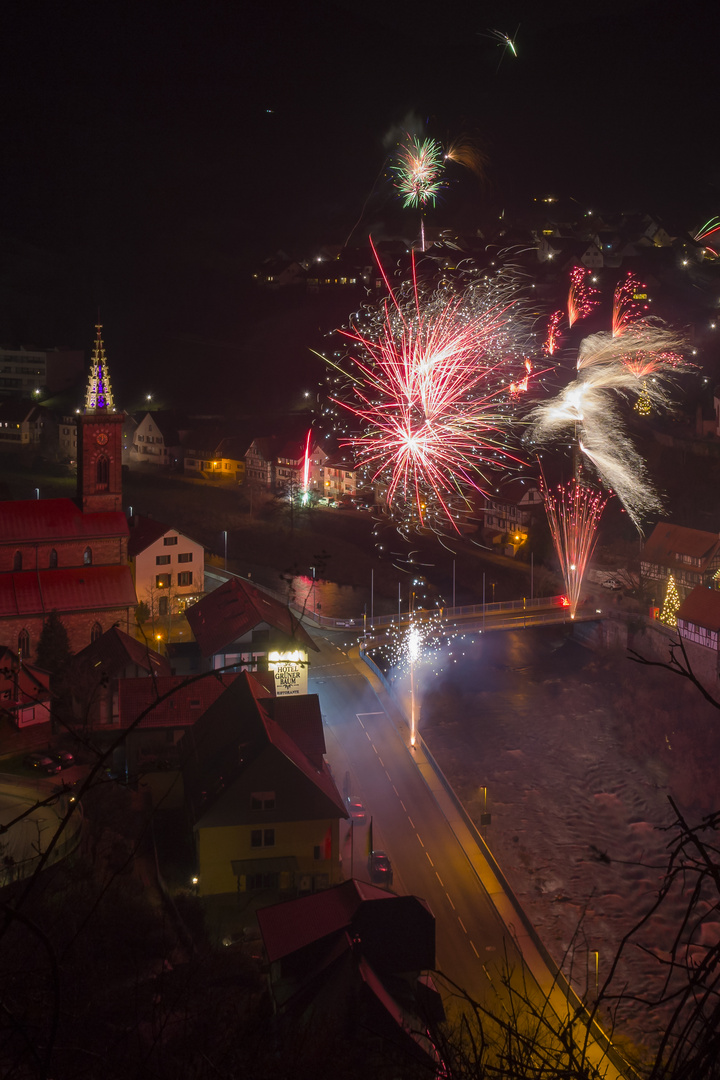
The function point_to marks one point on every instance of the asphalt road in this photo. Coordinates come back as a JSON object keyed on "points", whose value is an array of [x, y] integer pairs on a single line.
{"points": [[428, 861]]}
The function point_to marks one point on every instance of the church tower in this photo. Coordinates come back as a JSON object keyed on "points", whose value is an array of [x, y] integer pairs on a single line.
{"points": [[99, 439]]}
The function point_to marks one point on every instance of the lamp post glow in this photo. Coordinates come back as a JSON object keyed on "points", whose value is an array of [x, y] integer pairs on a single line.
{"points": [[225, 537]]}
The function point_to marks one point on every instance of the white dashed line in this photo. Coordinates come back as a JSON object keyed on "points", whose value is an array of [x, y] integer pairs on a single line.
{"points": [[430, 860], [403, 805], [421, 843], [450, 901], [462, 924], [396, 791], [474, 949], [412, 823]]}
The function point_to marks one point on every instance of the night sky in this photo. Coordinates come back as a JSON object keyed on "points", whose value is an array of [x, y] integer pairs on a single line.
{"points": [[152, 154]]}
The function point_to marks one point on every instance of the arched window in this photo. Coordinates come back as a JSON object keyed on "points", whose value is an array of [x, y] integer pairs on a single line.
{"points": [[53, 559], [102, 473], [96, 631], [17, 561], [87, 556], [23, 645]]}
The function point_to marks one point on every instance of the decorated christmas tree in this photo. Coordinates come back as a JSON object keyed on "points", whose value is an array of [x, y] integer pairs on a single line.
{"points": [[668, 615], [643, 405]]}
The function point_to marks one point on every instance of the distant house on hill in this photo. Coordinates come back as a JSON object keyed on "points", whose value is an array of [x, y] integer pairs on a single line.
{"points": [[698, 624], [157, 440], [168, 567], [263, 805]]}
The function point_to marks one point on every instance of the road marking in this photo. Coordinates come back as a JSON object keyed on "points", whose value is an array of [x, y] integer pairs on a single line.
{"points": [[370, 714], [487, 974], [403, 805], [361, 723], [370, 740], [412, 823], [421, 843], [388, 776], [396, 791], [449, 900], [442, 883], [380, 759], [427, 853], [462, 924], [474, 949]]}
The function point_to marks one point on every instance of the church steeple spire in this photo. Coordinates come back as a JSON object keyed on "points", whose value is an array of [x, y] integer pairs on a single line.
{"points": [[98, 396]]}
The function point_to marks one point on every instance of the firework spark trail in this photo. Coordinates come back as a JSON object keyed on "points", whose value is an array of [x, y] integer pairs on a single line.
{"points": [[586, 408], [573, 512], [433, 395], [582, 298], [306, 469], [626, 307], [553, 333], [418, 171], [709, 229], [464, 151]]}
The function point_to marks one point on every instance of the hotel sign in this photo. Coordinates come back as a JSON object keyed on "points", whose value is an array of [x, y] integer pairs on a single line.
{"points": [[291, 672]]}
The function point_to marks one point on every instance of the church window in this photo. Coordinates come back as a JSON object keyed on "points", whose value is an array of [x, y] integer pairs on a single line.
{"points": [[96, 631], [23, 644], [52, 561], [87, 556], [17, 561], [102, 473]]}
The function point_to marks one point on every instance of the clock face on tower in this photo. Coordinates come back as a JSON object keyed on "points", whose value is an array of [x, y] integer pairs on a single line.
{"points": [[101, 439]]}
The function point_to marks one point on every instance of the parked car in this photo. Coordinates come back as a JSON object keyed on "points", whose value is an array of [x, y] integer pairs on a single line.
{"points": [[42, 762], [357, 811], [380, 868], [611, 583], [63, 757]]}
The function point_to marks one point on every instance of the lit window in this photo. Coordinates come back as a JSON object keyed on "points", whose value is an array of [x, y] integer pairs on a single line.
{"points": [[162, 581]]}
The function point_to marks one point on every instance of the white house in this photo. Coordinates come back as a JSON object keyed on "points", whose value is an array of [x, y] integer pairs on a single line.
{"points": [[168, 567]]}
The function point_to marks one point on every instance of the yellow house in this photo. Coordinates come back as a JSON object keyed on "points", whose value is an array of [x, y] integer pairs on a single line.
{"points": [[264, 808]]}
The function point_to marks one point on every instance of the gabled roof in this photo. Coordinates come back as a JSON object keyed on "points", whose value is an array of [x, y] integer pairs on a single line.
{"points": [[24, 521], [25, 682], [301, 718], [701, 607], [230, 612], [231, 734], [264, 446], [285, 928], [667, 541], [80, 588], [145, 531], [114, 650], [185, 705]]}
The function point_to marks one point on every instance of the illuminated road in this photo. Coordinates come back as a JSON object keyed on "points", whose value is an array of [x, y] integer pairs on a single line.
{"points": [[368, 740]]}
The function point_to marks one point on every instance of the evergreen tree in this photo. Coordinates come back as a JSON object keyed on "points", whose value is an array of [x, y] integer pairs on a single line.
{"points": [[53, 651], [668, 615]]}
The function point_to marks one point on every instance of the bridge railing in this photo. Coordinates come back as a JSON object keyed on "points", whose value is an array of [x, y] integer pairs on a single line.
{"points": [[467, 611]]}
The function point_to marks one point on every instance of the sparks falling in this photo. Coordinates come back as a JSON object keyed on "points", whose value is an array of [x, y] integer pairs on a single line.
{"points": [[629, 303], [573, 512], [587, 408], [428, 392], [553, 333], [582, 298], [418, 171]]}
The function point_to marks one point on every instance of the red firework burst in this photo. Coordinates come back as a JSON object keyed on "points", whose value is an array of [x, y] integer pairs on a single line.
{"points": [[553, 333], [629, 303], [573, 512], [582, 298], [431, 389]]}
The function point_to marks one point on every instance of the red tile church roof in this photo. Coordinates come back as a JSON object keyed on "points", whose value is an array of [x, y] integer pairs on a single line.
{"points": [[29, 520], [79, 588]]}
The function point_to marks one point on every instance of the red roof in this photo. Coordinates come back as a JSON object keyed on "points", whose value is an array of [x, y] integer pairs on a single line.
{"points": [[667, 541], [77, 588], [30, 520], [144, 532], [115, 649], [25, 683], [181, 709], [701, 607], [301, 718], [236, 608], [313, 917]]}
